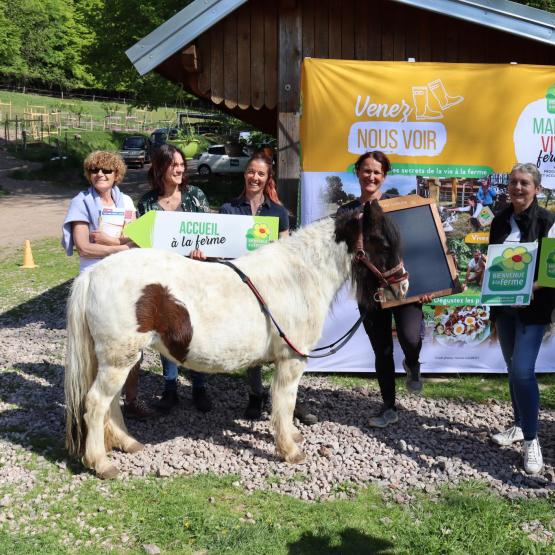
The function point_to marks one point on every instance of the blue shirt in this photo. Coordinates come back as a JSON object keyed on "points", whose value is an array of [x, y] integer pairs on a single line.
{"points": [[242, 207], [485, 198]]}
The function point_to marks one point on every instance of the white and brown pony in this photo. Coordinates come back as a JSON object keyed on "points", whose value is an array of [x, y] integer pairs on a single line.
{"points": [[203, 316]]}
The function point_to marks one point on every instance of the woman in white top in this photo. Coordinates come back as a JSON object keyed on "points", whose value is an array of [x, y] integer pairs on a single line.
{"points": [[83, 230]]}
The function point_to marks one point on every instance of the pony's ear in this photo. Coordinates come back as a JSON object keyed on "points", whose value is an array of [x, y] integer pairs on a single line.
{"points": [[347, 229]]}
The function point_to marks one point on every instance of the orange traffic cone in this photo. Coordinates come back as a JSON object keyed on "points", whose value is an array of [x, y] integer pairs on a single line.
{"points": [[28, 261]]}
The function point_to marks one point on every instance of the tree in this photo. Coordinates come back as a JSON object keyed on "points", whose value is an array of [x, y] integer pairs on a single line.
{"points": [[46, 44], [114, 32], [11, 61], [334, 191], [546, 5]]}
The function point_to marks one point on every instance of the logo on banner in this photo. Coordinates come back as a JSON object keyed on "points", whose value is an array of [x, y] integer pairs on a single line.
{"points": [[257, 236], [401, 136], [508, 271]]}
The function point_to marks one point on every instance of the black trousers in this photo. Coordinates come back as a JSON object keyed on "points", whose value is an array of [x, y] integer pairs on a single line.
{"points": [[377, 324]]}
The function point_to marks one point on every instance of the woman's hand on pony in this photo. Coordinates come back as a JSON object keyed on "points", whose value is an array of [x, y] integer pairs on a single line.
{"points": [[197, 254]]}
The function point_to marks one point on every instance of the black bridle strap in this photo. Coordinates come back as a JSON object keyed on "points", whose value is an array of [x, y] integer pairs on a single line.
{"points": [[247, 281]]}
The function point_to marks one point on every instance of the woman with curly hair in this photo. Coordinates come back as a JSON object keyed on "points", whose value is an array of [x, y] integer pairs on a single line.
{"points": [[81, 231]]}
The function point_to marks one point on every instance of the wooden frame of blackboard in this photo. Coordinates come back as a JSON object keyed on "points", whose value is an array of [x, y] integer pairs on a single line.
{"points": [[448, 283]]}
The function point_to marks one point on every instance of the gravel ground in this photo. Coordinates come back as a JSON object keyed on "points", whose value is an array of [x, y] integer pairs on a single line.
{"points": [[435, 441]]}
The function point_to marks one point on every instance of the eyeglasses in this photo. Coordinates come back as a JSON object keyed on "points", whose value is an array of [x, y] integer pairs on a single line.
{"points": [[105, 172]]}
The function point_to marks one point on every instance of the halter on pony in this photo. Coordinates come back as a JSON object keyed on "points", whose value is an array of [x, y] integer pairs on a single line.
{"points": [[394, 283]]}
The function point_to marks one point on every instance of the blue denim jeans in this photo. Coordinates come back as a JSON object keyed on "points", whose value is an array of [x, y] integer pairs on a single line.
{"points": [[520, 345], [170, 371]]}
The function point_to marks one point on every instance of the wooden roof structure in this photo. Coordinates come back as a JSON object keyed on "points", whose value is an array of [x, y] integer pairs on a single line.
{"points": [[244, 56]]}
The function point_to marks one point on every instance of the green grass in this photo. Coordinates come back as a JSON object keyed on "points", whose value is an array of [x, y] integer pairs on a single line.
{"points": [[21, 102], [208, 514], [458, 387], [43, 288]]}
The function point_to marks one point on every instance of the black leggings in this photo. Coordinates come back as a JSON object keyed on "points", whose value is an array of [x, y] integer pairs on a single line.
{"points": [[377, 324]]}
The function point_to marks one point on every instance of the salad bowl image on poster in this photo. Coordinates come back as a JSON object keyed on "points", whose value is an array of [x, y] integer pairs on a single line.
{"points": [[461, 325]]}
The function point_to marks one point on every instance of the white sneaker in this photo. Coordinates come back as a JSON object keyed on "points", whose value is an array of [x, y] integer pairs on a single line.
{"points": [[384, 418], [533, 460], [508, 437]]}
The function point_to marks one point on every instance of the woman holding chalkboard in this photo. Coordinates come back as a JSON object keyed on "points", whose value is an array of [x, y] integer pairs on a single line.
{"points": [[371, 170], [520, 329], [171, 192]]}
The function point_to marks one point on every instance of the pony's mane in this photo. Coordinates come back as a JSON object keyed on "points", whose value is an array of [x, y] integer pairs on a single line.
{"points": [[317, 233]]}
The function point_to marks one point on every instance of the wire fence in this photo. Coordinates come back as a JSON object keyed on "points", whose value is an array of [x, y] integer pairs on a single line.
{"points": [[52, 127]]}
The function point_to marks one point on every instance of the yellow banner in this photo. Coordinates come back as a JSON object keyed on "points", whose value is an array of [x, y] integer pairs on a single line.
{"points": [[432, 119]]}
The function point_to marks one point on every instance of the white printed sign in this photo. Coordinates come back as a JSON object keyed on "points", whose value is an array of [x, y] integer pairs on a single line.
{"points": [[216, 235]]}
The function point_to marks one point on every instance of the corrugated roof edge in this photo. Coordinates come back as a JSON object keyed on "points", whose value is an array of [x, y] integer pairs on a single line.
{"points": [[200, 15], [503, 15], [178, 31]]}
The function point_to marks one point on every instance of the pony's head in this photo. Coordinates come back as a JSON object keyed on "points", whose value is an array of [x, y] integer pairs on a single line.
{"points": [[378, 273]]}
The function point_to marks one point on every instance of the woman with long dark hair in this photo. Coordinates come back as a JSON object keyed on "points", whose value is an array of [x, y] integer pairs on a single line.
{"points": [[171, 192]]}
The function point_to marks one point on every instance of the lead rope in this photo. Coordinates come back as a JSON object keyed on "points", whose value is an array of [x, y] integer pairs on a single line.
{"points": [[333, 349]]}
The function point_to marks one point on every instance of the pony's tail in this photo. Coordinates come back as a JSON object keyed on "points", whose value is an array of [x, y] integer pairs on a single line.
{"points": [[81, 365]]}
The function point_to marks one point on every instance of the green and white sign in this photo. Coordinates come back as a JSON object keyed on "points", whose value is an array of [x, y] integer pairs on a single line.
{"points": [[546, 272], [509, 274], [217, 235]]}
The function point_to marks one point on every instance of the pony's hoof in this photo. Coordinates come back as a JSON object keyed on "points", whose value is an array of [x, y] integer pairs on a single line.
{"points": [[297, 458], [134, 447], [109, 473]]}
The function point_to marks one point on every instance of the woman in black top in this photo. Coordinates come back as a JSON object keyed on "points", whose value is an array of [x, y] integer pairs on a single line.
{"points": [[260, 198], [371, 169], [520, 329]]}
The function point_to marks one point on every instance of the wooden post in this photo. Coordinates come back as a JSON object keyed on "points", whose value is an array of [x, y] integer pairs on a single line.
{"points": [[434, 186], [288, 91], [454, 187]]}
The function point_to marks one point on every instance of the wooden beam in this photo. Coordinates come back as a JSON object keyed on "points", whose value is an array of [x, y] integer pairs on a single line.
{"points": [[189, 59], [244, 56], [289, 71], [204, 62], [257, 55], [216, 63], [230, 60], [270, 55]]}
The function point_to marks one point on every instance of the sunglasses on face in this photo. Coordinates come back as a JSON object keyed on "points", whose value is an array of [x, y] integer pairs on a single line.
{"points": [[105, 172]]}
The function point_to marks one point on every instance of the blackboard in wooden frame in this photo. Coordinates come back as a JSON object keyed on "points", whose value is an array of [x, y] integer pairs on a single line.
{"points": [[432, 270]]}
